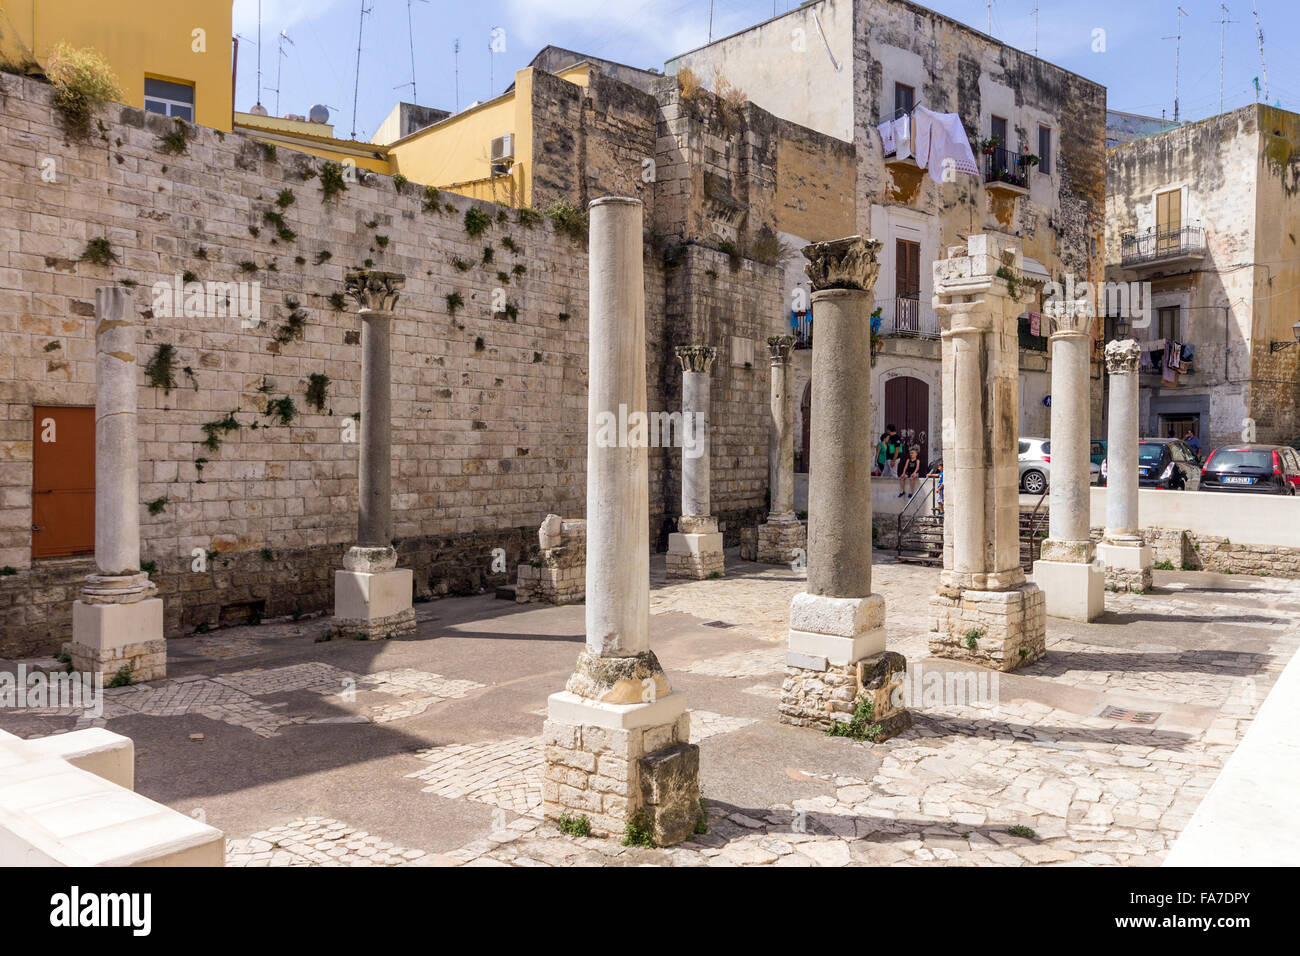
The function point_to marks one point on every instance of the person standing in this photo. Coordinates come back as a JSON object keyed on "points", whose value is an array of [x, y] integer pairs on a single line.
{"points": [[891, 450], [1192, 442]]}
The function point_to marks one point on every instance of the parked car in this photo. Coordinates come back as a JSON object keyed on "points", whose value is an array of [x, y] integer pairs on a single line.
{"points": [[1035, 465], [1163, 463], [1263, 469], [1097, 452]]}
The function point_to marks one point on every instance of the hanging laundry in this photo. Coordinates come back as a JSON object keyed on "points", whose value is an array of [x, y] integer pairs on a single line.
{"points": [[939, 139], [886, 130], [1174, 356], [1035, 324]]}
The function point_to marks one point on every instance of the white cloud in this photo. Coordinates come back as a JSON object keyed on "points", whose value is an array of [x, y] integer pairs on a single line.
{"points": [[277, 15]]}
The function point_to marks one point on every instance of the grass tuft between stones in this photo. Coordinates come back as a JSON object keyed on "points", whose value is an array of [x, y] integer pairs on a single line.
{"points": [[576, 826]]}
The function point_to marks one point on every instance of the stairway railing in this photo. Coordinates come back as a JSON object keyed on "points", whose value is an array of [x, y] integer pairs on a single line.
{"points": [[907, 518]]}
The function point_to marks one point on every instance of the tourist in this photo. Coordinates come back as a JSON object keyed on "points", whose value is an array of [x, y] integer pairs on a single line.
{"points": [[889, 451], [910, 471], [937, 474]]}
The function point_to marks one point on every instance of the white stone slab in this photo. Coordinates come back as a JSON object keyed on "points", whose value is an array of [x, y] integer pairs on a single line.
{"points": [[571, 709], [362, 596], [1074, 591]]}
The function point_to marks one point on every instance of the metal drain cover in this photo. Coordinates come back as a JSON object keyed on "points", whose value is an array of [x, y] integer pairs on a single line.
{"points": [[1132, 716]]}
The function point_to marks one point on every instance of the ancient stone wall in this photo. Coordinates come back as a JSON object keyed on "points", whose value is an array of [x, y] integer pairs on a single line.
{"points": [[489, 365]]}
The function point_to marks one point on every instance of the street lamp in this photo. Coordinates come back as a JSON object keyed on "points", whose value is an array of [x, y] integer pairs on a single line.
{"points": [[1121, 327], [1279, 346]]}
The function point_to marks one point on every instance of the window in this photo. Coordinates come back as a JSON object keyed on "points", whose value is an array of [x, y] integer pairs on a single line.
{"points": [[169, 99], [1044, 149], [998, 131], [904, 99], [1168, 323]]}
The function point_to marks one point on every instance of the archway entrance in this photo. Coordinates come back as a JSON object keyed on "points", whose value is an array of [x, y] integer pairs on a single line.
{"points": [[907, 408]]}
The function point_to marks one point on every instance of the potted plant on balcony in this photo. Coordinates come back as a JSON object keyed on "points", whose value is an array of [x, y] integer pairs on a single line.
{"points": [[990, 144]]}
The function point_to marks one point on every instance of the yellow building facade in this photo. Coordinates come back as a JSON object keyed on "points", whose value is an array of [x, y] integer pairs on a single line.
{"points": [[160, 47]]}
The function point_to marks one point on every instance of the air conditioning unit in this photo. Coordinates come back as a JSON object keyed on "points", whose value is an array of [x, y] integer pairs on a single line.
{"points": [[503, 148]]}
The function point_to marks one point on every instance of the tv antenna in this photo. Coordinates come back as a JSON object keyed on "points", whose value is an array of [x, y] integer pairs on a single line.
{"points": [[1178, 49], [356, 87], [259, 52], [1035, 29], [1223, 23], [284, 38], [456, 55], [1259, 32], [410, 36]]}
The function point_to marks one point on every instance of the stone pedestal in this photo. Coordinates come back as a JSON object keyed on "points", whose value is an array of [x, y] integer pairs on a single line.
{"points": [[117, 625], [1072, 582], [1127, 558], [618, 748], [559, 574], [782, 536], [695, 549], [984, 609], [837, 668], [372, 596]]}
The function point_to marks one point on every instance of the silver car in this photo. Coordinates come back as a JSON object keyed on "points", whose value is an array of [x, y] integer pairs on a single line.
{"points": [[1035, 465]]}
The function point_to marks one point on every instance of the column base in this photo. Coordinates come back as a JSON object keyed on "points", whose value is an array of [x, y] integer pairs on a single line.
{"points": [[1073, 590], [1128, 566], [694, 556], [836, 657], [999, 629], [619, 763], [109, 637], [373, 605], [779, 538]]}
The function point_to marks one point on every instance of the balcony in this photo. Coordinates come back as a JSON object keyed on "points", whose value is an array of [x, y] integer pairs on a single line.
{"points": [[1006, 171], [908, 320], [801, 329], [1184, 246], [1026, 338]]}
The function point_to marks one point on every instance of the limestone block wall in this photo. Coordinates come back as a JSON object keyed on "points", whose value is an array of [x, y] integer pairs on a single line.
{"points": [[489, 406]]}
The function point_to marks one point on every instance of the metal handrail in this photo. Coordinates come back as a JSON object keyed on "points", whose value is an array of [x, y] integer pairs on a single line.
{"points": [[928, 483], [1033, 524]]}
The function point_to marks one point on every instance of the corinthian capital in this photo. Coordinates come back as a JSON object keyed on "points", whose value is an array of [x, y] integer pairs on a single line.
{"points": [[374, 291], [1122, 356], [779, 348], [696, 358], [842, 264]]}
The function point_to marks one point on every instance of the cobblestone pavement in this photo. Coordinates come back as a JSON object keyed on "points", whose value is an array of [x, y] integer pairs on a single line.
{"points": [[1097, 754]]}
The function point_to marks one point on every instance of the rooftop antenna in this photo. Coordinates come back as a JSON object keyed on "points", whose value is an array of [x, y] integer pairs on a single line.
{"points": [[356, 88], [710, 21], [410, 36], [1223, 22], [1035, 29], [457, 56], [259, 52], [1260, 33], [989, 31], [1178, 49], [284, 37]]}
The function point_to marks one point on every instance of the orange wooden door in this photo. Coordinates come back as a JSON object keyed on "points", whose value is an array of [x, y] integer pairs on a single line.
{"points": [[63, 480]]}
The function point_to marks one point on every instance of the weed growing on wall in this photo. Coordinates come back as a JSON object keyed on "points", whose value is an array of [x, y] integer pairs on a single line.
{"points": [[83, 84]]}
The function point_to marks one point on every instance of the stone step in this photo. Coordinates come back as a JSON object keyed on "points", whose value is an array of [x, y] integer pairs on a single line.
{"points": [[505, 592]]}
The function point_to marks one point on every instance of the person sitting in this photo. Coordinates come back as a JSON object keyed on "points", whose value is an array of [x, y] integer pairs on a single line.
{"points": [[909, 473]]}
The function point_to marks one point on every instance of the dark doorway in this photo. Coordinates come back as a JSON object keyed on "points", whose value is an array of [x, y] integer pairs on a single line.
{"points": [[907, 408], [805, 430]]}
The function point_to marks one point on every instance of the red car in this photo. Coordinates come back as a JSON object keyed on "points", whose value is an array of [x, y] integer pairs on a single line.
{"points": [[1263, 469]]}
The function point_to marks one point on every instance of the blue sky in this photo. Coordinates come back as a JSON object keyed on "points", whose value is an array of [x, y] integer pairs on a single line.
{"points": [[1137, 65]]}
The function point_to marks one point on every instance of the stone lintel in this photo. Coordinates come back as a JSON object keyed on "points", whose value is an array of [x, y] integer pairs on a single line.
{"points": [[369, 560], [834, 616], [697, 524], [1071, 552], [837, 650]]}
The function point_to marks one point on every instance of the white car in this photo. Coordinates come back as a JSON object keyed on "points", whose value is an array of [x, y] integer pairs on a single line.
{"points": [[1035, 465]]}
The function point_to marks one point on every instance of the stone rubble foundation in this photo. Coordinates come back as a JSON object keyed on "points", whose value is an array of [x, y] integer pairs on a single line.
{"points": [[781, 541], [999, 629], [559, 574], [816, 693]]}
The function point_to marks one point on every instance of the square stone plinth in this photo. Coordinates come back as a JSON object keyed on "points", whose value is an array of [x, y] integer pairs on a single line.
{"points": [[999, 629], [781, 541], [695, 556], [109, 637], [376, 605], [1075, 591], [613, 763], [1128, 567]]}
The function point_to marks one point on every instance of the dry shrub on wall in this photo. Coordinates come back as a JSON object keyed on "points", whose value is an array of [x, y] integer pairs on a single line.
{"points": [[688, 84], [83, 84]]}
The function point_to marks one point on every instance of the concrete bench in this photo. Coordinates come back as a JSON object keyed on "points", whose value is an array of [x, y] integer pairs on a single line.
{"points": [[66, 800]]}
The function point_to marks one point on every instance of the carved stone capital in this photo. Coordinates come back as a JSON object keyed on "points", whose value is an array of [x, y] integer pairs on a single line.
{"points": [[697, 358], [374, 291], [779, 348], [849, 263], [1122, 356]]}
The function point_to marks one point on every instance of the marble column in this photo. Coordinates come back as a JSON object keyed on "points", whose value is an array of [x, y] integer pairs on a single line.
{"points": [[617, 738], [984, 609], [783, 535], [836, 655], [1123, 550], [117, 625], [695, 550], [1072, 582], [372, 596]]}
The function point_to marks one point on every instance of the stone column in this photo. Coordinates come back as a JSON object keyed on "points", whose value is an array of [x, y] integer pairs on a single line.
{"points": [[117, 625], [372, 596], [985, 610], [1072, 582], [695, 550], [783, 534], [836, 661], [617, 737], [1126, 556]]}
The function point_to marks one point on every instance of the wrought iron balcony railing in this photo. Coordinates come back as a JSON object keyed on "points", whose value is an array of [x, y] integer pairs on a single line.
{"points": [[1156, 245], [1002, 165]]}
